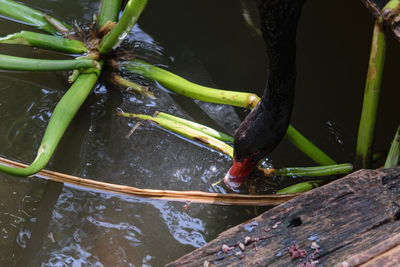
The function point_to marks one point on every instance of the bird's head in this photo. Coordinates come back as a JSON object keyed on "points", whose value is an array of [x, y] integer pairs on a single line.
{"points": [[259, 133]]}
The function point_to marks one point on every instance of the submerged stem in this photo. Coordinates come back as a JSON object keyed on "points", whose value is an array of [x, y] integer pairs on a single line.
{"points": [[131, 86], [366, 130], [62, 116]]}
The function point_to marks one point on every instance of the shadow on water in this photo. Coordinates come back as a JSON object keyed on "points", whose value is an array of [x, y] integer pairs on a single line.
{"points": [[55, 225]]}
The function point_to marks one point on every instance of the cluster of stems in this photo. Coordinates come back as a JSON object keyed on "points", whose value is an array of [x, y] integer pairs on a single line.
{"points": [[86, 69], [111, 31]]}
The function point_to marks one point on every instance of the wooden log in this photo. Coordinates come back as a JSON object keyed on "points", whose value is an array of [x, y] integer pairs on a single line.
{"points": [[353, 221]]}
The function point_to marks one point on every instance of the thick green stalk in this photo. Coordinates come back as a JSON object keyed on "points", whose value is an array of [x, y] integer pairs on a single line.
{"points": [[298, 188], [59, 121], [20, 63], [187, 88], [393, 157], [131, 14], [239, 99], [45, 41], [366, 130], [308, 148], [197, 126], [108, 12], [28, 15], [311, 171], [185, 131]]}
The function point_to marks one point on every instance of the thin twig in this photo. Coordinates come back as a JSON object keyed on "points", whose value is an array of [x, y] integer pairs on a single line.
{"points": [[133, 129], [182, 196]]}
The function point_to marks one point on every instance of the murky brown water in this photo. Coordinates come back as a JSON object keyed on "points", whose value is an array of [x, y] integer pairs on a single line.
{"points": [[207, 42]]}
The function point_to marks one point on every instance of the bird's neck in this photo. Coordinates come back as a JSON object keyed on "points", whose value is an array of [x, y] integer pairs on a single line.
{"points": [[279, 20]]}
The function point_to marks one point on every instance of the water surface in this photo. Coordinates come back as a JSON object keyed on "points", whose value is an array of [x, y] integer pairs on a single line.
{"points": [[207, 42]]}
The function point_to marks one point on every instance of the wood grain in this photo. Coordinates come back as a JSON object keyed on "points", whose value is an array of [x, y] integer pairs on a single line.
{"points": [[352, 217]]}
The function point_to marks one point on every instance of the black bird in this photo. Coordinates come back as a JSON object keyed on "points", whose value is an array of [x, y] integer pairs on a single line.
{"points": [[266, 125]]}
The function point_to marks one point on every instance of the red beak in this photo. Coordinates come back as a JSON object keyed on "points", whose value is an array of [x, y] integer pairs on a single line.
{"points": [[238, 173]]}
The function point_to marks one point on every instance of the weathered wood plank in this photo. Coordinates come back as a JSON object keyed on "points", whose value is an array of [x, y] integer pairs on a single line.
{"points": [[344, 218], [386, 253]]}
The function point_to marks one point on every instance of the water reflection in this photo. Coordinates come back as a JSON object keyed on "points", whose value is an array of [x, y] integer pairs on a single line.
{"points": [[109, 230], [25, 109], [77, 227]]}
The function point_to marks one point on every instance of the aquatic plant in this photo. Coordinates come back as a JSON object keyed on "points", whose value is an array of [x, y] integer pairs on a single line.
{"points": [[94, 57]]}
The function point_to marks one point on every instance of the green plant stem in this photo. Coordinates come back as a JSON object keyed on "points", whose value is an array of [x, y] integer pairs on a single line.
{"points": [[239, 99], [45, 41], [131, 14], [366, 130], [197, 126], [20, 63], [378, 156], [393, 157], [75, 73], [108, 12], [298, 188], [391, 6], [308, 148], [185, 131], [182, 86], [317, 171], [311, 171], [59, 121], [28, 15], [134, 87]]}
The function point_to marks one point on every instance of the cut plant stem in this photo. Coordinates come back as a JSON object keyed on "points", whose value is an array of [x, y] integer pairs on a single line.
{"points": [[310, 171], [197, 126], [393, 157], [184, 87], [131, 86], [20, 63], [247, 100], [62, 116], [308, 148], [185, 131], [366, 129], [28, 15], [131, 14], [300, 187], [109, 11], [45, 41]]}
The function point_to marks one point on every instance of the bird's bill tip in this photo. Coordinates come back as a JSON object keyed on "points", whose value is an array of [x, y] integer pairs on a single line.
{"points": [[238, 173]]}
